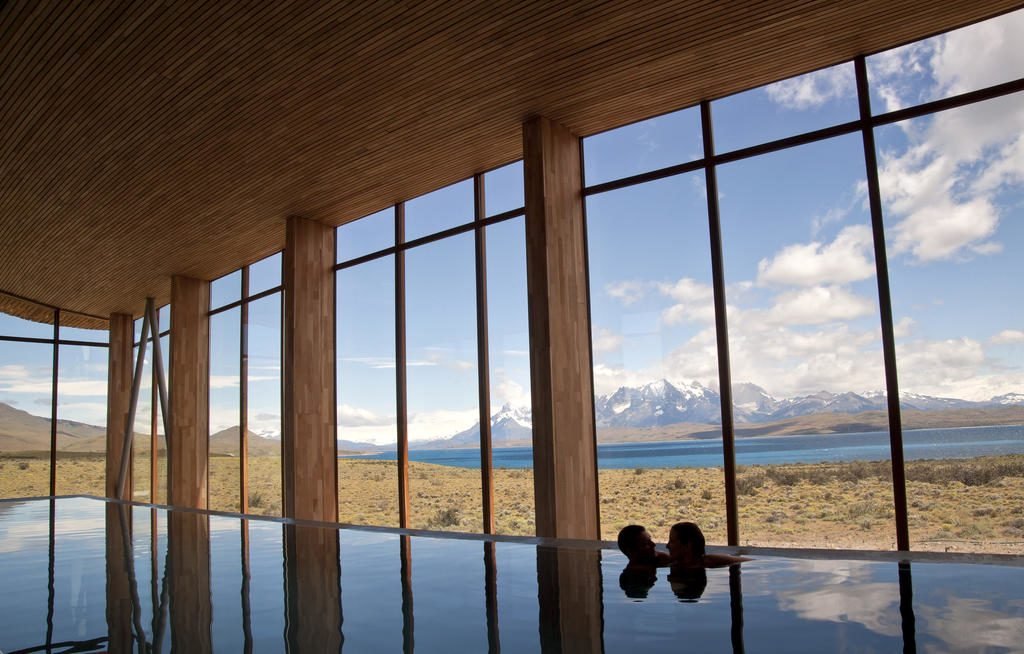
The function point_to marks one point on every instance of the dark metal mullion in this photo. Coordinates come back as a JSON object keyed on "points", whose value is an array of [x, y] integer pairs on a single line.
{"points": [[426, 240], [483, 361], [892, 390], [401, 397], [50, 341], [943, 104], [245, 300], [243, 396], [53, 402], [721, 331]]}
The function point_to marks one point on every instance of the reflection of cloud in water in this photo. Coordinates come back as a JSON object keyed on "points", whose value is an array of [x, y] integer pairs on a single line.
{"points": [[841, 591], [971, 624]]}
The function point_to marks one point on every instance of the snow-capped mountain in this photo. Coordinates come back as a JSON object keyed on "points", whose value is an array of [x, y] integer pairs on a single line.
{"points": [[661, 403], [658, 403]]}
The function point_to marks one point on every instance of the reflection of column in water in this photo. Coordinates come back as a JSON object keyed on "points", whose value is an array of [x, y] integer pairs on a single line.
{"points": [[246, 579], [313, 589], [736, 608], [188, 547], [491, 595], [907, 608], [569, 590], [408, 623]]}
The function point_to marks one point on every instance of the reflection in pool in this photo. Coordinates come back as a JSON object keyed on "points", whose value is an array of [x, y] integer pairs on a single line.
{"points": [[85, 575]]}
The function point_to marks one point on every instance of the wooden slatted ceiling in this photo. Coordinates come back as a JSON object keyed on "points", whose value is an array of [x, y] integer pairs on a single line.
{"points": [[144, 139]]}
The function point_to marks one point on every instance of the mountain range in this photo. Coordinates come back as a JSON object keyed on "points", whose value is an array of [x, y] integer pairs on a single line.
{"points": [[660, 410]]}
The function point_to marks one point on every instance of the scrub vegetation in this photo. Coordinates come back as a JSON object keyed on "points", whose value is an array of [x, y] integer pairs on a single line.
{"points": [[957, 505]]}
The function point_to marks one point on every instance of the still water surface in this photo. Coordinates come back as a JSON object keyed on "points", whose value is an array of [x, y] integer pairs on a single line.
{"points": [[191, 582], [813, 448]]}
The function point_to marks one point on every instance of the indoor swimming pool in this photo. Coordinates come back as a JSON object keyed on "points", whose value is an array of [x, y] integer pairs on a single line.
{"points": [[86, 575]]}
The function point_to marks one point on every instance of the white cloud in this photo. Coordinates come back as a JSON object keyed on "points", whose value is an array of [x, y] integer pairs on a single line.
{"points": [[695, 302], [1008, 336], [818, 305], [426, 425], [350, 416], [813, 90], [848, 258], [605, 340], [903, 327], [628, 292]]}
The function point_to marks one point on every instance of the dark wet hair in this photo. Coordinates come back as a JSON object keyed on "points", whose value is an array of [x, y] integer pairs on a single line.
{"points": [[627, 537], [689, 532]]}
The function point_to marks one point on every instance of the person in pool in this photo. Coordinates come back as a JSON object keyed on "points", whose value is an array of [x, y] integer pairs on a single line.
{"points": [[638, 546], [686, 549]]}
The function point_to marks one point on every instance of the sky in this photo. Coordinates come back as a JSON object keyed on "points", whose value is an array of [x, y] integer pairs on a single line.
{"points": [[798, 254]]}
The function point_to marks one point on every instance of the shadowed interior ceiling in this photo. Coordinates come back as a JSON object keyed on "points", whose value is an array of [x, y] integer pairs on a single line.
{"points": [[145, 139]]}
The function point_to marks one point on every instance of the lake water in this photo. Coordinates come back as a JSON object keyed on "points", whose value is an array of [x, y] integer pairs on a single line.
{"points": [[813, 448]]}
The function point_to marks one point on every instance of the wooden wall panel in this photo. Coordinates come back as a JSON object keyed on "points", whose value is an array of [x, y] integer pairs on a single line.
{"points": [[120, 365], [309, 447], [564, 447], [189, 392], [143, 140]]}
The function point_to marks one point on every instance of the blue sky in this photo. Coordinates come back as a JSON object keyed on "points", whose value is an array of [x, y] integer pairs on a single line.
{"points": [[801, 286]]}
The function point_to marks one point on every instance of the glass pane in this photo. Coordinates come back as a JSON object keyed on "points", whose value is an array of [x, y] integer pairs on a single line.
{"points": [[367, 486], [366, 235], [265, 274], [82, 420], [226, 289], [793, 106], [26, 387], [651, 144], [655, 366], [264, 390], [90, 335], [160, 492], [164, 316], [442, 209], [511, 407], [953, 198], [806, 351], [967, 59], [503, 189], [14, 326], [225, 376], [142, 471], [442, 386]]}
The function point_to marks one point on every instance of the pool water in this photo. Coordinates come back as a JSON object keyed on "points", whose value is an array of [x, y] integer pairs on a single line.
{"points": [[73, 579]]}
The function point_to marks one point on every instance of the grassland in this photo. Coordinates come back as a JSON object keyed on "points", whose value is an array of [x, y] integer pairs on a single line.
{"points": [[972, 505]]}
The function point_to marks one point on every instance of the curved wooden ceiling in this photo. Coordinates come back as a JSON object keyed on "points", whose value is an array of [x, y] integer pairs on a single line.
{"points": [[145, 139]]}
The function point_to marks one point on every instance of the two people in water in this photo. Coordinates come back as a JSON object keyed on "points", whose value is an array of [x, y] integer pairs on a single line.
{"points": [[687, 559]]}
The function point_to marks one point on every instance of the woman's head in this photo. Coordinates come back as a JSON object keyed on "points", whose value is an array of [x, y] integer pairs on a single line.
{"points": [[685, 541]]}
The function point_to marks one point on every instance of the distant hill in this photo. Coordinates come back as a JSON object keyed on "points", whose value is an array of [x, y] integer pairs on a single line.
{"points": [[22, 431]]}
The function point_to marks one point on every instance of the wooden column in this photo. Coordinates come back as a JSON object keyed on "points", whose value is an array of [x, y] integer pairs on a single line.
{"points": [[309, 448], [119, 397], [564, 446], [189, 394]]}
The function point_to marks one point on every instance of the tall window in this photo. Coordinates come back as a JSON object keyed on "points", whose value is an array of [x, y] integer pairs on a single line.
{"points": [[42, 405], [245, 389], [805, 313], [422, 360]]}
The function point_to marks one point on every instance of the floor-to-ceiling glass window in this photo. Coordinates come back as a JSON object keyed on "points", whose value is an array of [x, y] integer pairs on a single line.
{"points": [[26, 387], [245, 389], [952, 190], [653, 332]]}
